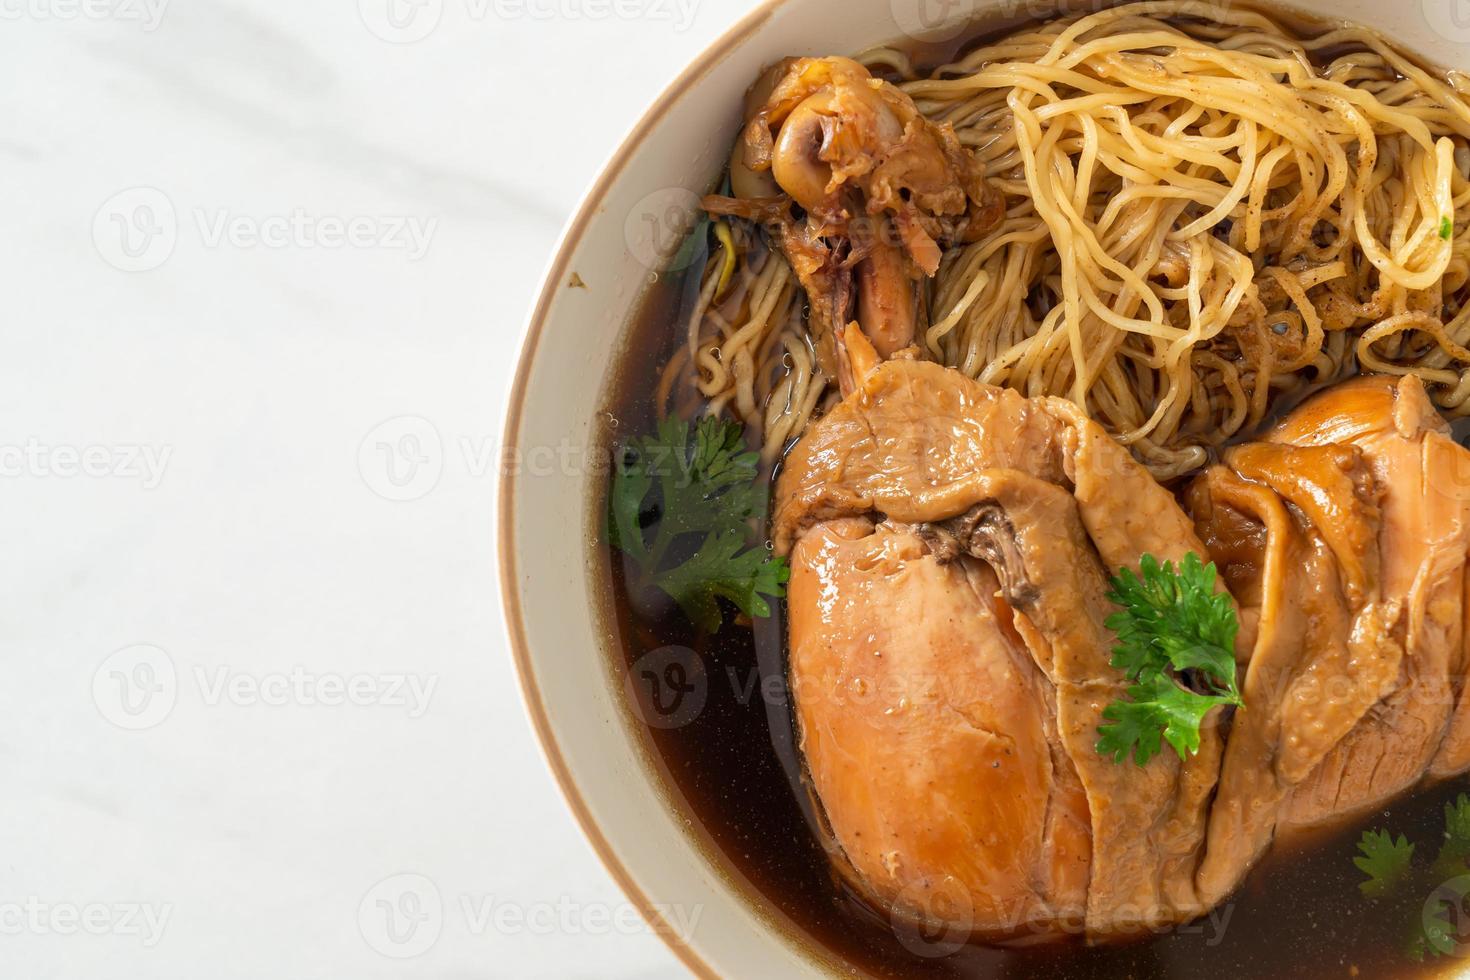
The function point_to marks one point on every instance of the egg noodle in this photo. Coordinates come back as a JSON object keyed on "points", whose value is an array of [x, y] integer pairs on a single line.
{"points": [[1204, 214]]}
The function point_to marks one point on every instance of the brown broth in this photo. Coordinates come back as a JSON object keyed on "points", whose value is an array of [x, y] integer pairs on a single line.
{"points": [[732, 770]]}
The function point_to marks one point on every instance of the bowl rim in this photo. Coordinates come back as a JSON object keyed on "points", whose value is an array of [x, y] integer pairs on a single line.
{"points": [[556, 273]]}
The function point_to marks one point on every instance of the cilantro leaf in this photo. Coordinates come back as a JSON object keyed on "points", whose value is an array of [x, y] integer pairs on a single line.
{"points": [[1385, 861], [712, 487], [1175, 633], [630, 486], [677, 483], [1431, 928], [1454, 851], [722, 567], [1436, 934], [1159, 709], [1175, 614], [1446, 228]]}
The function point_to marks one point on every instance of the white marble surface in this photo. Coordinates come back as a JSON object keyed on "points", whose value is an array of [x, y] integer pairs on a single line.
{"points": [[240, 236]]}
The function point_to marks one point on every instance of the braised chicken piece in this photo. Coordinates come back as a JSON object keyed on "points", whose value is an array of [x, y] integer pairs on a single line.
{"points": [[919, 660], [1424, 479], [951, 545], [1346, 534], [1294, 530], [829, 128], [862, 193]]}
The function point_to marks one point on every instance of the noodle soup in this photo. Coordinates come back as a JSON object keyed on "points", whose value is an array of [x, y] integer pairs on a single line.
{"points": [[1185, 310]]}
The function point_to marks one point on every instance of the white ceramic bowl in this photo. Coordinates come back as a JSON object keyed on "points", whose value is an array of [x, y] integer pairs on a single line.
{"points": [[548, 524]]}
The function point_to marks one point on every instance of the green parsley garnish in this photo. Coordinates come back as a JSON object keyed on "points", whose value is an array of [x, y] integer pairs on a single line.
{"points": [[1446, 228], [670, 490], [1430, 927], [1454, 851], [1436, 934], [1176, 644], [1384, 860]]}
